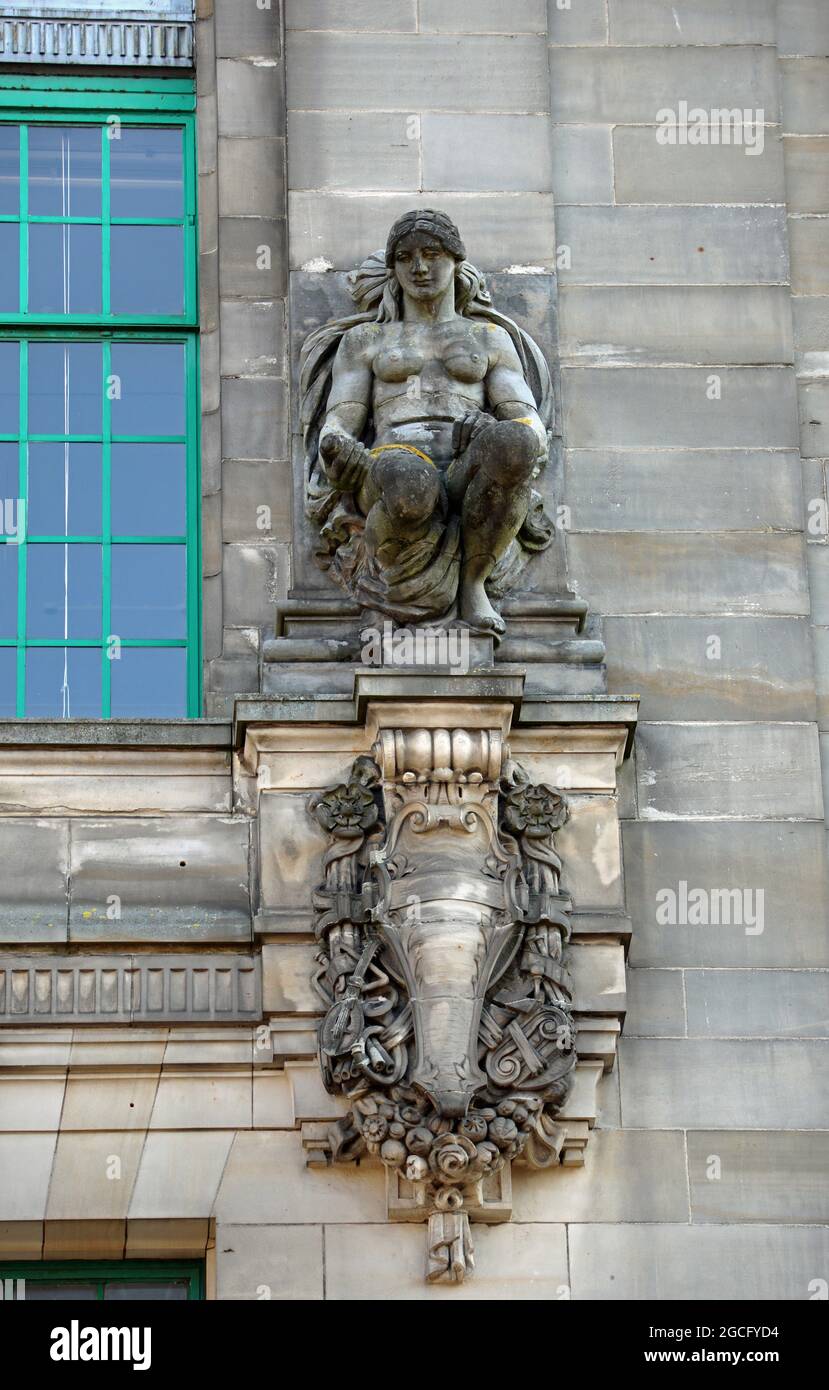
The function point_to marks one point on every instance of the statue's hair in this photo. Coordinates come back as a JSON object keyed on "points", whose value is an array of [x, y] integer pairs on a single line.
{"points": [[378, 297], [434, 224]]}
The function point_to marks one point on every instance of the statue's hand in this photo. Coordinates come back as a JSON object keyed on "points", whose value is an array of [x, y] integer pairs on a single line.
{"points": [[345, 462], [465, 429]]}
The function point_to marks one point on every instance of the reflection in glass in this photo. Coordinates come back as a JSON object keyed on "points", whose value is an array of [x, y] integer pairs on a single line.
{"points": [[64, 490], [9, 489], [64, 171], [8, 682], [63, 683], [9, 267], [146, 172], [150, 681], [148, 489], [9, 388], [64, 268], [8, 589], [148, 591], [146, 1290], [151, 382], [9, 170], [65, 388], [63, 591], [147, 270]]}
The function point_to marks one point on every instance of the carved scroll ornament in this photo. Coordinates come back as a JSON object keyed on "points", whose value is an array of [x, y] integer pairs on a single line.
{"points": [[442, 933]]}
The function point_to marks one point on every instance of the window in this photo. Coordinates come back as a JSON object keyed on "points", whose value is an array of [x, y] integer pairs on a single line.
{"points": [[99, 487], [107, 1281]]}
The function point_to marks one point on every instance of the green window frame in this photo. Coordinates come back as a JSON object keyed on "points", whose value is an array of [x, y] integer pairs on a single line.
{"points": [[28, 102], [101, 1273]]}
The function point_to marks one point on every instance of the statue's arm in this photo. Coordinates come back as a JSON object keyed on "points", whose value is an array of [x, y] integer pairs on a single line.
{"points": [[508, 393], [349, 401]]}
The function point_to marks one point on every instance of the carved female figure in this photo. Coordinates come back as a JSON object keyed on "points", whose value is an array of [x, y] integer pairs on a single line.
{"points": [[426, 420]]}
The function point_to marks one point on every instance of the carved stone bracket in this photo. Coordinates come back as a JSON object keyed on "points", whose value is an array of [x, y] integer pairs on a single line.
{"points": [[443, 935]]}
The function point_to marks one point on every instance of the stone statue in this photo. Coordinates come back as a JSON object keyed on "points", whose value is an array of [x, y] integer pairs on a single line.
{"points": [[425, 420]]}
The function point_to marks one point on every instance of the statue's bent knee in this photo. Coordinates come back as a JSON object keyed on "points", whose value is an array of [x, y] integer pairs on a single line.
{"points": [[508, 452], [408, 485]]}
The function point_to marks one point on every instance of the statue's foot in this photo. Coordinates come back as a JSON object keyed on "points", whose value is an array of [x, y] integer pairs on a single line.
{"points": [[476, 609]]}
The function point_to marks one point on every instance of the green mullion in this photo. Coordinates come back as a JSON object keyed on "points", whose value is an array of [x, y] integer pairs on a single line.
{"points": [[64, 438], [96, 642], [96, 540], [106, 530], [23, 492], [82, 221], [193, 521], [23, 300], [191, 256], [106, 302]]}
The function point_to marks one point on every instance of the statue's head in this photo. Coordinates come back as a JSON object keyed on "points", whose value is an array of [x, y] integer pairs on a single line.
{"points": [[423, 252]]}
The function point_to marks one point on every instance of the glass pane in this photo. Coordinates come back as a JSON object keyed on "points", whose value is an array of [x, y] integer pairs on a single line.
{"points": [[64, 171], [65, 388], [8, 589], [63, 683], [148, 591], [146, 172], [150, 682], [9, 388], [10, 170], [147, 270], [148, 485], [64, 269], [145, 1290], [8, 682], [150, 378], [42, 1289], [64, 489], [63, 591], [9, 267], [9, 489]]}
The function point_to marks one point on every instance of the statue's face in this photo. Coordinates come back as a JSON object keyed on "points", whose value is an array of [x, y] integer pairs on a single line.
{"points": [[422, 266]]}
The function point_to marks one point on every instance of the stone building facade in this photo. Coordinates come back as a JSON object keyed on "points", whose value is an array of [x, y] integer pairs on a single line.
{"points": [[160, 1095]]}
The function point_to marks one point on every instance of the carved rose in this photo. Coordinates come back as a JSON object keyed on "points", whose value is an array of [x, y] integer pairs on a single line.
{"points": [[534, 810], [474, 1127], [503, 1132], [451, 1156], [375, 1129], [347, 811], [419, 1140]]}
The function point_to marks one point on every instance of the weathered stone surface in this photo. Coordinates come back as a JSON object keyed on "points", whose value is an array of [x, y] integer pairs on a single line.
{"points": [[179, 1173], [254, 577], [713, 668], [582, 164], [809, 248], [691, 573], [813, 400], [692, 22], [765, 1177], [582, 23], [81, 1185], [655, 1004], [632, 84], [504, 228], [628, 1175], [99, 1101], [266, 1181], [252, 257], [757, 1004], [251, 177], [167, 874], [673, 406], [31, 1104], [333, 71], [396, 1259], [820, 648], [682, 490], [247, 31], [257, 500], [803, 27], [648, 172], [750, 771], [632, 324], [694, 1084], [254, 418], [34, 907], [805, 91], [472, 153], [482, 16], [671, 245], [352, 150], [185, 1100], [25, 1169], [765, 858], [269, 1262], [590, 850], [351, 14], [654, 1263], [251, 101], [253, 338], [807, 173]]}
